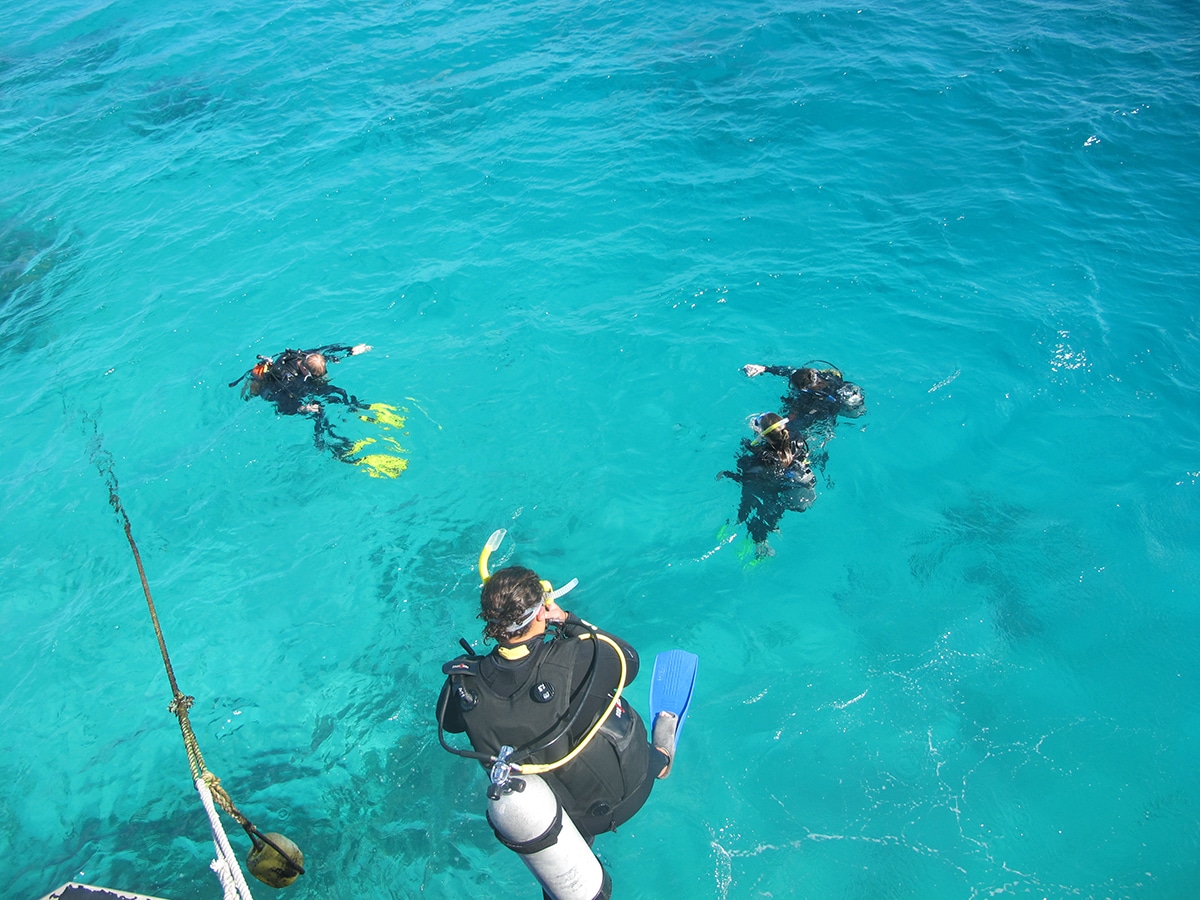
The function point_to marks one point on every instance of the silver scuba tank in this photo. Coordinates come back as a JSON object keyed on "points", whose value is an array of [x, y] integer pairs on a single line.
{"points": [[527, 818]]}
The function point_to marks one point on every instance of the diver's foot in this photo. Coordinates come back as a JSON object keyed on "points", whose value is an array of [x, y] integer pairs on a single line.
{"points": [[663, 738], [762, 550]]}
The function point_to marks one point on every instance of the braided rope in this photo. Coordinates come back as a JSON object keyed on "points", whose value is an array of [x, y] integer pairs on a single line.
{"points": [[181, 703], [226, 865]]}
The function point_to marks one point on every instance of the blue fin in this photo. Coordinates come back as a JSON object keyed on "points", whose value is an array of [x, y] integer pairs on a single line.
{"points": [[671, 686]]}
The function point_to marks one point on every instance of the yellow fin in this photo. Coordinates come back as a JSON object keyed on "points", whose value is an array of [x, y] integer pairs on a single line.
{"points": [[377, 465], [385, 415], [382, 465]]}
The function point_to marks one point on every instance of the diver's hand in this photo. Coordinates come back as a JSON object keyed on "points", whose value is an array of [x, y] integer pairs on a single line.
{"points": [[555, 613], [359, 348], [752, 369]]}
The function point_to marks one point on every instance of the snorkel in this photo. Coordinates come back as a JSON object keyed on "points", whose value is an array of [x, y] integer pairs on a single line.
{"points": [[763, 432], [493, 544]]}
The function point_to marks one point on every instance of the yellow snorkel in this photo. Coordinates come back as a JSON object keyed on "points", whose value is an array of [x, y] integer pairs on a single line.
{"points": [[492, 545], [781, 424]]}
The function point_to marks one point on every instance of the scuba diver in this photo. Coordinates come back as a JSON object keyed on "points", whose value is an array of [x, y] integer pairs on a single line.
{"points": [[545, 686], [295, 381], [568, 756], [818, 392], [775, 474]]}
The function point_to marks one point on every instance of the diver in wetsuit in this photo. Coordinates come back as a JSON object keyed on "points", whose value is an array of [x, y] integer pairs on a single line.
{"points": [[817, 392], [775, 476], [543, 691], [295, 381]]}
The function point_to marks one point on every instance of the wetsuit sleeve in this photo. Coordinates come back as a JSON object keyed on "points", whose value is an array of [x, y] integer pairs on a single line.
{"points": [[782, 371], [335, 394], [335, 352], [452, 720], [573, 627]]}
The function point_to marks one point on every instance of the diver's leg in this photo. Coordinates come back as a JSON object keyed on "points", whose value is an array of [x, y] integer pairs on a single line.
{"points": [[324, 437]]}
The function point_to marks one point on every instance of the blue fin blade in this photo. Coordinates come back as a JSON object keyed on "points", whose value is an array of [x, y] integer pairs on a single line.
{"points": [[672, 683]]}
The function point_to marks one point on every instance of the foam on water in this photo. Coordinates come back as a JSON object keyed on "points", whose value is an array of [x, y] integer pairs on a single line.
{"points": [[970, 668]]}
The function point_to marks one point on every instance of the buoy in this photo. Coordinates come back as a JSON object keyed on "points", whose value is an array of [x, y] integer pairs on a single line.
{"points": [[527, 818], [268, 866]]}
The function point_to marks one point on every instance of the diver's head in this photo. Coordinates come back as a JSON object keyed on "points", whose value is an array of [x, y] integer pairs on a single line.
{"points": [[509, 603], [771, 428], [315, 364], [806, 379]]}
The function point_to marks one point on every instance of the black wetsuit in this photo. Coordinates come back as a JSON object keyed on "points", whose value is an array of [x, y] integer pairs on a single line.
{"points": [[288, 384], [770, 488], [829, 397], [524, 702]]}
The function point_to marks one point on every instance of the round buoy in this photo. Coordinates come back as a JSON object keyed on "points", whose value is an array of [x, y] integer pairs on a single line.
{"points": [[268, 866]]}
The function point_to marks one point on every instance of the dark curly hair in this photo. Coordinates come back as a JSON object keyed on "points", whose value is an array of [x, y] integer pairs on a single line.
{"points": [[810, 379], [506, 599]]}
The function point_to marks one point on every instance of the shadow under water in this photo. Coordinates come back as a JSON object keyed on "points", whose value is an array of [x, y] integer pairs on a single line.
{"points": [[170, 106], [1008, 554], [34, 267]]}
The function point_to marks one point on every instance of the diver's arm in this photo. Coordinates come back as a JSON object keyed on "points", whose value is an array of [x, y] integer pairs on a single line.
{"points": [[329, 350], [782, 371], [452, 720], [754, 369], [574, 627], [332, 351]]}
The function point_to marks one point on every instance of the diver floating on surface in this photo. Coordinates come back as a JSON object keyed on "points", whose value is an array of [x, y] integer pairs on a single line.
{"points": [[296, 381], [775, 470], [818, 391], [568, 757], [776, 476]]}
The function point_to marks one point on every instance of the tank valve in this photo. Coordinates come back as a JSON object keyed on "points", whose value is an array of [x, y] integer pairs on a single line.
{"points": [[502, 780]]}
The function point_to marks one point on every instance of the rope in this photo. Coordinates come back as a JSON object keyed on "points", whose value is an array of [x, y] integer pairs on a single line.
{"points": [[180, 702], [226, 865]]}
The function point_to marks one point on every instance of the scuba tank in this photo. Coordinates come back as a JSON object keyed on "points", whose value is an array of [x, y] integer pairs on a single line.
{"points": [[851, 397], [528, 819]]}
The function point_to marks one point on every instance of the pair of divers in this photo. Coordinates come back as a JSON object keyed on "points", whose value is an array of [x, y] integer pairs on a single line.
{"points": [[566, 754], [297, 382], [775, 468]]}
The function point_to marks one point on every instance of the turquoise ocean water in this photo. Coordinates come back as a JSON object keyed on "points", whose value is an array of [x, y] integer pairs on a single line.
{"points": [[971, 668]]}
